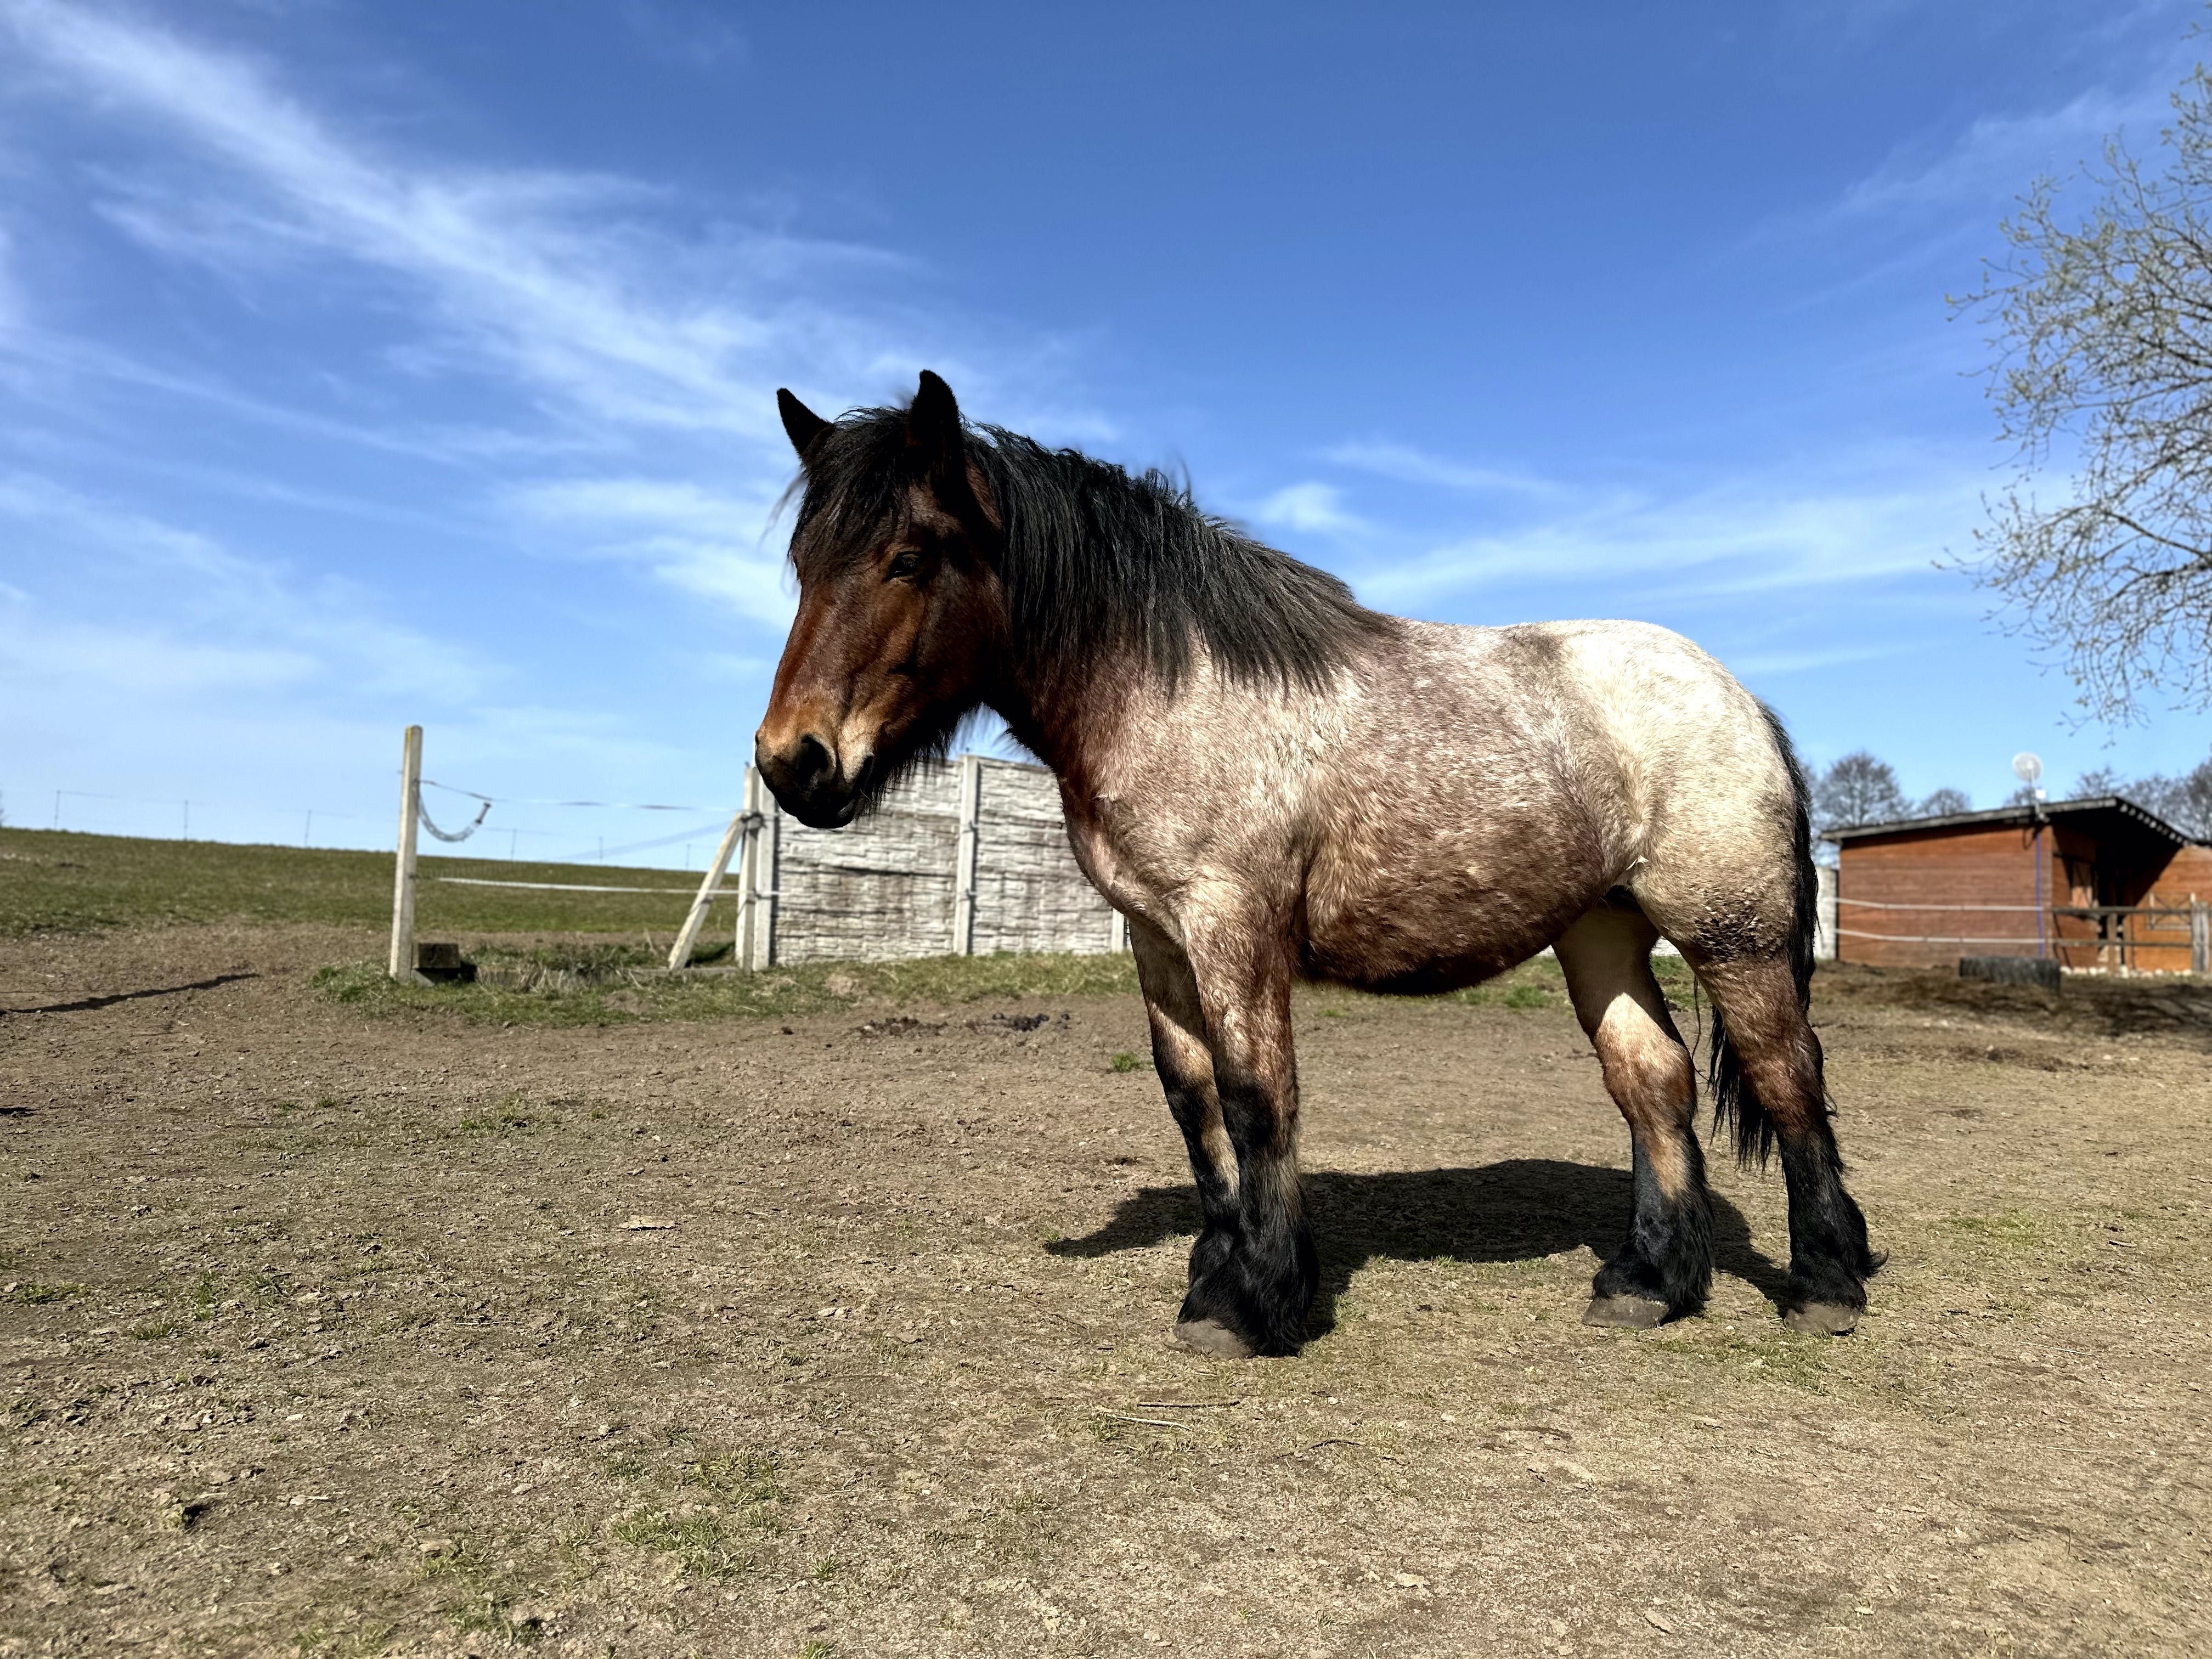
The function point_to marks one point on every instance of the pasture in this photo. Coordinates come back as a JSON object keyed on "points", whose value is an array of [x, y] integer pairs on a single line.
{"points": [[825, 1313]]}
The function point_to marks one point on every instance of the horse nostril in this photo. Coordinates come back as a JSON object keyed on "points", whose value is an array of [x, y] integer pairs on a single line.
{"points": [[810, 761]]}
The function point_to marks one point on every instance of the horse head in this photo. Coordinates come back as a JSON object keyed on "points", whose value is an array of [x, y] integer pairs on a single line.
{"points": [[902, 610]]}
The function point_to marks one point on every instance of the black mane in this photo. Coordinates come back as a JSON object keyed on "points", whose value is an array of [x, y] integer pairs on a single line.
{"points": [[1100, 564]]}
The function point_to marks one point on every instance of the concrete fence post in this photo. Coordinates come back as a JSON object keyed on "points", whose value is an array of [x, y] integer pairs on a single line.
{"points": [[757, 889], [964, 867]]}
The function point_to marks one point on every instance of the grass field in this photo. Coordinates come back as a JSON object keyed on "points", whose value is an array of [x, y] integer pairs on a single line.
{"points": [[584, 984], [546, 958], [58, 881]]}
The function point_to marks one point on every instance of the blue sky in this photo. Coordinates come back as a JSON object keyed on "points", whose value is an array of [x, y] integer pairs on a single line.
{"points": [[365, 364]]}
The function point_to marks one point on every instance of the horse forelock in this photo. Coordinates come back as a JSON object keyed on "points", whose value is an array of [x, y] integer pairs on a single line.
{"points": [[853, 491]]}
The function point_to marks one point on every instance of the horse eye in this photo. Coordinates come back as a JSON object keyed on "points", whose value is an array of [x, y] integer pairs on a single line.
{"points": [[905, 564]]}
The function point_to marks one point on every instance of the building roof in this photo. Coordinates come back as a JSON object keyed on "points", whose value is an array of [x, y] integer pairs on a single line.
{"points": [[2133, 816]]}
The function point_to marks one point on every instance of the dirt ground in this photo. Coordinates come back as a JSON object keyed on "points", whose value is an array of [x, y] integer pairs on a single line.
{"points": [[327, 1332]]}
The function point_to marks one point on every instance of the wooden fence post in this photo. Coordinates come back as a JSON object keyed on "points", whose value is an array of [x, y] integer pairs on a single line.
{"points": [[964, 867], [680, 957], [1117, 934], [402, 964], [2200, 936]]}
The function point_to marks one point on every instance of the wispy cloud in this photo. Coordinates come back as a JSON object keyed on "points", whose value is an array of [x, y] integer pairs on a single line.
{"points": [[604, 317], [2141, 51], [1409, 465], [687, 35], [181, 605], [1770, 664], [1936, 197], [707, 543], [11, 299], [572, 282], [39, 649], [1996, 157], [1311, 508], [53, 370], [1744, 536]]}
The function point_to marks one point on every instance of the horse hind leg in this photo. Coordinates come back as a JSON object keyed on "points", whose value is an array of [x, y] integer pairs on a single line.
{"points": [[1666, 1266], [1767, 1077]]}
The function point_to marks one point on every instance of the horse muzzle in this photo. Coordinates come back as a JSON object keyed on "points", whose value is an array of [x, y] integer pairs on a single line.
{"points": [[809, 783]]}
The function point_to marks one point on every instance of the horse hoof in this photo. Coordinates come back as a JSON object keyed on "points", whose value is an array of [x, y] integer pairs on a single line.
{"points": [[1822, 1319], [1635, 1313], [1212, 1339]]}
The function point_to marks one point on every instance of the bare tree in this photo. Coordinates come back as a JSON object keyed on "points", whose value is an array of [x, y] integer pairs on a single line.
{"points": [[2185, 802], [1944, 802], [1857, 789], [2098, 780], [2102, 331]]}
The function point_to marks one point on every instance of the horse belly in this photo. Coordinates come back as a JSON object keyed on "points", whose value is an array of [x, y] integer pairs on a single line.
{"points": [[1430, 930]]}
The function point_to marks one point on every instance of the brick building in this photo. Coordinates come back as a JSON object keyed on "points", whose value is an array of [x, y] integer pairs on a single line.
{"points": [[2024, 881]]}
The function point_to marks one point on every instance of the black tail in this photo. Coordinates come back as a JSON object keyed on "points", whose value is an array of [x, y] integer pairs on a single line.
{"points": [[1735, 1107]]}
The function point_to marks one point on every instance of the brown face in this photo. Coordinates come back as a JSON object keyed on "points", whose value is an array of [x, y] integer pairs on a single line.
{"points": [[895, 631]]}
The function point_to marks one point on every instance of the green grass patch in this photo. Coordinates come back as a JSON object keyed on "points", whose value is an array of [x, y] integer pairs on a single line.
{"points": [[702, 1541], [1996, 1250], [463, 1562], [603, 983], [59, 881], [745, 1478], [1126, 1061], [493, 1615], [514, 1114], [610, 984], [346, 1641], [708, 1504], [34, 1295], [1784, 1356], [1539, 984], [1534, 984]]}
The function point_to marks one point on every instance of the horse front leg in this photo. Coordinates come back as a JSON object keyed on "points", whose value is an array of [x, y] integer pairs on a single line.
{"points": [[1254, 1273], [1185, 1065]]}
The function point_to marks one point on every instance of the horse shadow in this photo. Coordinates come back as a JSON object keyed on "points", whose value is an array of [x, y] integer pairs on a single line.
{"points": [[1521, 1209]]}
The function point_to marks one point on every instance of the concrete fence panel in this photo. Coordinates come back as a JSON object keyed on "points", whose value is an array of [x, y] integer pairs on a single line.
{"points": [[962, 857]]}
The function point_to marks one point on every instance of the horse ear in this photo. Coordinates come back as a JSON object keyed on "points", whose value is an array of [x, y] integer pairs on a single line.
{"points": [[801, 424], [933, 425]]}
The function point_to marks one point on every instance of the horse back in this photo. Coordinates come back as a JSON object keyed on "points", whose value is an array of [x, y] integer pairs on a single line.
{"points": [[1444, 810]]}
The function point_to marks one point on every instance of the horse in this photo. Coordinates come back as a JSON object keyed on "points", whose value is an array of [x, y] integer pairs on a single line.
{"points": [[1274, 783]]}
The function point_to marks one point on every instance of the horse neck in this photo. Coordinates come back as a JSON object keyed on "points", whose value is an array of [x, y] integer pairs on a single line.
{"points": [[1064, 718]]}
